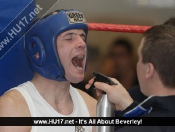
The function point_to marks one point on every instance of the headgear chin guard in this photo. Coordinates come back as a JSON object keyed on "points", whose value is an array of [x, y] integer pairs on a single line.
{"points": [[41, 38]]}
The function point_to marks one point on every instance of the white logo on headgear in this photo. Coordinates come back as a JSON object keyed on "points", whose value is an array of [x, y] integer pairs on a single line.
{"points": [[75, 17]]}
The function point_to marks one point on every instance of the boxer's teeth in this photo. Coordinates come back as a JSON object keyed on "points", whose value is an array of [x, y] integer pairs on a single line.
{"points": [[77, 62]]}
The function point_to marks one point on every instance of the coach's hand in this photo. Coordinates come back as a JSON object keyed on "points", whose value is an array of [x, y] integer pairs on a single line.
{"points": [[117, 94]]}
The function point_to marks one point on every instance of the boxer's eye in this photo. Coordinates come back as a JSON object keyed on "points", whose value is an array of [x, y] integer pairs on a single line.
{"points": [[83, 36], [68, 36], [71, 36]]}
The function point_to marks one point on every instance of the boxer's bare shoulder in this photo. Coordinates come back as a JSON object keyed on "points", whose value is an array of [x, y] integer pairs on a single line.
{"points": [[13, 104]]}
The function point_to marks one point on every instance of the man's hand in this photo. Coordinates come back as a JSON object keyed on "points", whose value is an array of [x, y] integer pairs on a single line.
{"points": [[117, 94]]}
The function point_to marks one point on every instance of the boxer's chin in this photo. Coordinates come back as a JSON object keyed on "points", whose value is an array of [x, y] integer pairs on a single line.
{"points": [[75, 77]]}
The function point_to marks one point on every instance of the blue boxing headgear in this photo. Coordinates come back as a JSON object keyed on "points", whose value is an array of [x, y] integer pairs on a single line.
{"points": [[41, 38]]}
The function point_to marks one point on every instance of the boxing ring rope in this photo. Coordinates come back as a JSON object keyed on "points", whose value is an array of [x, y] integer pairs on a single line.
{"points": [[117, 28]]}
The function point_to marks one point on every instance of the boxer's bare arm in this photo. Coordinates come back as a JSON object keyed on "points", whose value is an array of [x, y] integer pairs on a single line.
{"points": [[12, 104], [91, 104]]}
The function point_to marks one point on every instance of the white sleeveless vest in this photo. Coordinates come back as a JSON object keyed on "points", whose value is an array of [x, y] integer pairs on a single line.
{"points": [[38, 107]]}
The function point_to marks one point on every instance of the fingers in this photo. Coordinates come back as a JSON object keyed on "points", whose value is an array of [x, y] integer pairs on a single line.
{"points": [[114, 80], [99, 92], [117, 94], [87, 86], [102, 86], [106, 87]]}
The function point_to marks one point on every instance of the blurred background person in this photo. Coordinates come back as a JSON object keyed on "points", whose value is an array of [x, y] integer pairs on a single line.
{"points": [[120, 63]]}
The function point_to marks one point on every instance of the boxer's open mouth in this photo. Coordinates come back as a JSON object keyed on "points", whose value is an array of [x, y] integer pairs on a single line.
{"points": [[78, 62]]}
